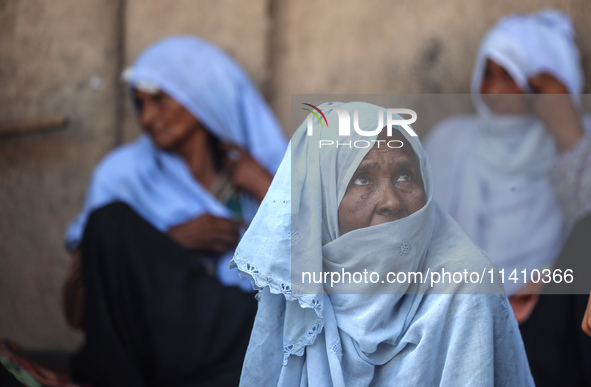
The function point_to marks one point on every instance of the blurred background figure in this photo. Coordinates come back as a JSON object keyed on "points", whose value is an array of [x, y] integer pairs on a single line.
{"points": [[497, 173], [61, 64], [162, 215]]}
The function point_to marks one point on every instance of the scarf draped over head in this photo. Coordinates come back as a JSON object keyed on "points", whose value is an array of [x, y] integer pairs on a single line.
{"points": [[497, 186], [352, 334], [158, 184], [527, 45]]}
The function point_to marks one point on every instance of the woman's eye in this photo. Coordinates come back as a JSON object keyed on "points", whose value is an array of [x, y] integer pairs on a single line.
{"points": [[158, 97], [403, 177], [507, 77], [361, 181]]}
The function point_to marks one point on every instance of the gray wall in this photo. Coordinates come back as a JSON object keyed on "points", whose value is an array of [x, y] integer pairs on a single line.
{"points": [[64, 59]]}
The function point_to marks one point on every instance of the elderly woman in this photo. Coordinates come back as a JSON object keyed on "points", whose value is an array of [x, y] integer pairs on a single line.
{"points": [[497, 174], [359, 209], [161, 219]]}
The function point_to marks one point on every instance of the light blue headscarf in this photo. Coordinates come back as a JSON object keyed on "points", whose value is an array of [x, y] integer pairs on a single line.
{"points": [[158, 184], [396, 334]]}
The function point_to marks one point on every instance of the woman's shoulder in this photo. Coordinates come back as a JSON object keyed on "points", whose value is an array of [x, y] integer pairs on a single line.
{"points": [[446, 143], [462, 266], [122, 160], [450, 129]]}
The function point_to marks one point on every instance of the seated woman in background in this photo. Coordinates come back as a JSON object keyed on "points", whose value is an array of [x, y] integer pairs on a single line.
{"points": [[496, 173], [341, 209], [161, 219]]}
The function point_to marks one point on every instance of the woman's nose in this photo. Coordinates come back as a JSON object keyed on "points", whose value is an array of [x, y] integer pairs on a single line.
{"points": [[389, 204], [492, 86], [499, 85], [147, 116]]}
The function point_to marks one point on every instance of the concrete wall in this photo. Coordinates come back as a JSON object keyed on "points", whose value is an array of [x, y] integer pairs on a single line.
{"points": [[49, 55], [384, 46], [64, 59]]}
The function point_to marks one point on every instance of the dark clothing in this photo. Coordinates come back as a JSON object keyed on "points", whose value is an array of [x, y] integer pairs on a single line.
{"points": [[558, 350], [152, 316]]}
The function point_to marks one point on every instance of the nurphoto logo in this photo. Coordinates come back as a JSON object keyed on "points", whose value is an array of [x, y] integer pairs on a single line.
{"points": [[393, 117]]}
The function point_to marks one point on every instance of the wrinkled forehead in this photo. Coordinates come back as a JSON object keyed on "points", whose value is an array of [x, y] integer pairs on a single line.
{"points": [[349, 159], [364, 126], [396, 142], [395, 146]]}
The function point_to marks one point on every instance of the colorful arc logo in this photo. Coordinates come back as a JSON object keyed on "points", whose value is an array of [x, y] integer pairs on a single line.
{"points": [[318, 110]]}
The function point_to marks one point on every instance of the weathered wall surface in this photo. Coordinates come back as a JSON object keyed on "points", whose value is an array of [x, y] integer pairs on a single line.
{"points": [[50, 52], [384, 46], [64, 59]]}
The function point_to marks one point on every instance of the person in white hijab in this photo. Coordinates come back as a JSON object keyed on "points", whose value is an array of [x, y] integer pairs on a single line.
{"points": [[162, 216], [368, 206], [491, 170], [155, 176], [509, 178]]}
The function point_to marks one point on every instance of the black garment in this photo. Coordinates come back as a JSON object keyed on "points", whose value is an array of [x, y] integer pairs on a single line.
{"points": [[558, 350], [152, 317], [7, 379]]}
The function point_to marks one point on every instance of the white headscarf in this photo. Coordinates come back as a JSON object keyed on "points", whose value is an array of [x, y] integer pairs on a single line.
{"points": [[491, 172], [378, 334], [527, 45], [158, 184]]}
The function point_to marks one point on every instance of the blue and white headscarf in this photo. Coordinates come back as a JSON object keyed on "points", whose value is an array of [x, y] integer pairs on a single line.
{"points": [[158, 184], [392, 334]]}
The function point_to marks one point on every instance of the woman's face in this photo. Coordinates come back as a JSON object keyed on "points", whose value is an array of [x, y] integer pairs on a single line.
{"points": [[164, 119], [386, 186], [496, 84]]}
